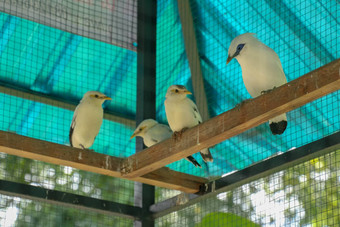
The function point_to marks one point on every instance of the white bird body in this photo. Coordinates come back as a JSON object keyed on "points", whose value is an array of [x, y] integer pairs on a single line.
{"points": [[182, 113], [87, 120], [261, 70], [152, 133], [155, 134]]}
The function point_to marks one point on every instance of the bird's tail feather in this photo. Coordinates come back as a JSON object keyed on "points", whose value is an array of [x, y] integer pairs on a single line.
{"points": [[278, 124], [206, 155], [193, 161]]}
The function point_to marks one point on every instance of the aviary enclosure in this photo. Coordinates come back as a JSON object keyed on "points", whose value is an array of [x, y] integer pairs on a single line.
{"points": [[53, 51]]}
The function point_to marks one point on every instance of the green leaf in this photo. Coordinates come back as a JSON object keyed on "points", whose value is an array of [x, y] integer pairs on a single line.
{"points": [[225, 219]]}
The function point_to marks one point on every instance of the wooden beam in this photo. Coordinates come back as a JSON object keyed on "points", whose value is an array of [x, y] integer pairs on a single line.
{"points": [[65, 104], [87, 160], [191, 50], [285, 98]]}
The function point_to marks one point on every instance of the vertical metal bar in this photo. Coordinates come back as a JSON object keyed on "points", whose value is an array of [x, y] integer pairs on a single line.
{"points": [[146, 94], [79, 202]]}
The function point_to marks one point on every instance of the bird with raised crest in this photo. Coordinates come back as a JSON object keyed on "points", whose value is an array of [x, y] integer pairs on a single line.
{"points": [[261, 71]]}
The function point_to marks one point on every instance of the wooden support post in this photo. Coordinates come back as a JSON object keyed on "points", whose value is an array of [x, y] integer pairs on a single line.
{"points": [[87, 160], [191, 50], [285, 98]]}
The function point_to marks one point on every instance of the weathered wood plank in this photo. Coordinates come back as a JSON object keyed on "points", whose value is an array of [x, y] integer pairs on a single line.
{"points": [[285, 98], [87, 160]]}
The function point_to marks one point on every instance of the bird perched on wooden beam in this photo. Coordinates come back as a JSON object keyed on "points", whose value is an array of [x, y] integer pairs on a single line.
{"points": [[87, 119], [152, 132], [261, 71], [182, 113]]}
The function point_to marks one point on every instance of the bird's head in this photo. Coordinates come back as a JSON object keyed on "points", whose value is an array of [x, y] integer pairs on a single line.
{"points": [[95, 96], [177, 91], [239, 45], [143, 127]]}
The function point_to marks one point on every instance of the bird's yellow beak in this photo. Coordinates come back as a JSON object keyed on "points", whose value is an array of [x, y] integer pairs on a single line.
{"points": [[106, 98], [187, 92], [229, 59], [133, 135]]}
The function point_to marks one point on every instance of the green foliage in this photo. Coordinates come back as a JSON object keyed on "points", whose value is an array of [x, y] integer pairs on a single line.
{"points": [[65, 179], [225, 220], [303, 195]]}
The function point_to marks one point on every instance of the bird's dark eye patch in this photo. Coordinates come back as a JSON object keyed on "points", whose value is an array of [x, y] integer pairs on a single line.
{"points": [[176, 90], [240, 46], [238, 49], [140, 129], [96, 96]]}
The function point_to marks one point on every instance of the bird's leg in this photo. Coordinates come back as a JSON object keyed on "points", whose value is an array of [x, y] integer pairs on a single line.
{"points": [[267, 91], [238, 106], [177, 135], [84, 148], [183, 129]]}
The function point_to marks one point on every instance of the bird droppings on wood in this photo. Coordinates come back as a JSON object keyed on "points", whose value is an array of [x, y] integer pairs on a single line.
{"points": [[182, 199], [107, 162], [128, 166]]}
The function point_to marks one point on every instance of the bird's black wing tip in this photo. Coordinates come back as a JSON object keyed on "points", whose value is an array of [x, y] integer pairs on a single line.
{"points": [[278, 128], [70, 136], [193, 161]]}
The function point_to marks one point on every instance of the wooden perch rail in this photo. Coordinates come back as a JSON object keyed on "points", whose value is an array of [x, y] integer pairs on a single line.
{"points": [[91, 161], [147, 166], [285, 98]]}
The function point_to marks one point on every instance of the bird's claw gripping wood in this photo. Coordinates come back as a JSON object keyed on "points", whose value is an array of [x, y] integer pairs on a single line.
{"points": [[238, 106], [178, 135], [267, 91]]}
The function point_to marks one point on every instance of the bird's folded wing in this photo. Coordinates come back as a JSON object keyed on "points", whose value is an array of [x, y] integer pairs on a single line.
{"points": [[73, 124], [195, 111]]}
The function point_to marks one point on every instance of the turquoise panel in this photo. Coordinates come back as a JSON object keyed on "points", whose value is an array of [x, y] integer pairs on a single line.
{"points": [[305, 35], [50, 61]]}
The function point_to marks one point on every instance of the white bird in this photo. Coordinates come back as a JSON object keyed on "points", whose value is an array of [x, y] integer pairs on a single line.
{"points": [[261, 71], [182, 113], [152, 132], [87, 119]]}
